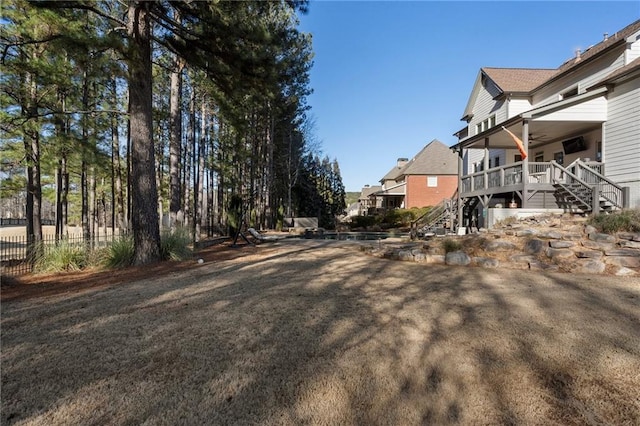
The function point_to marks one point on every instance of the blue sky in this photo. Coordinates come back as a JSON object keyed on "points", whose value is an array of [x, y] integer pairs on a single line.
{"points": [[390, 76]]}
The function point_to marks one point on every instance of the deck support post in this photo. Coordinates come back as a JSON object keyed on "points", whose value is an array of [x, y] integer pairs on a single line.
{"points": [[525, 164]]}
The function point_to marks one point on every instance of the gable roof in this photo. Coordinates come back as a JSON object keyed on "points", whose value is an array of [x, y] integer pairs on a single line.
{"points": [[525, 81], [368, 190], [393, 174], [617, 38], [518, 80], [434, 159]]}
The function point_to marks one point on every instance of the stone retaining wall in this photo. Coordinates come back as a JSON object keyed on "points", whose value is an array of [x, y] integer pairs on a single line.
{"points": [[553, 244]]}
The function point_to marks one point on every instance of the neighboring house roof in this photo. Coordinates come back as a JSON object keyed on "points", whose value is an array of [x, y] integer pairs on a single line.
{"points": [[518, 80], [392, 174], [398, 189], [434, 159], [368, 190]]}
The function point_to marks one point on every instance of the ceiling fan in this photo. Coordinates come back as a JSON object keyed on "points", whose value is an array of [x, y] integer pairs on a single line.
{"points": [[538, 137]]}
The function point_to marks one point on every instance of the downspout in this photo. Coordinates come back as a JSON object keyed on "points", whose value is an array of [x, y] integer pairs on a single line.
{"points": [[525, 163]]}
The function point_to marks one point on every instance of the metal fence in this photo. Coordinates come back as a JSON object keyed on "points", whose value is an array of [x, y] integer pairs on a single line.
{"points": [[13, 249]]}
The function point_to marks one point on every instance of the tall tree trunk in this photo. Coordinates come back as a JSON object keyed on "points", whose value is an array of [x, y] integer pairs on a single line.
{"points": [[175, 141], [188, 157], [144, 193], [117, 196], [84, 167], [32, 154], [199, 189]]}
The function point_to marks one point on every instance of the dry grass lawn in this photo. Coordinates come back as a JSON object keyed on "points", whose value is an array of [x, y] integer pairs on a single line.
{"points": [[315, 332]]}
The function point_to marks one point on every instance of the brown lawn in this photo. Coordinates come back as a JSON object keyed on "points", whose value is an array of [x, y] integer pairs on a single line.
{"points": [[315, 332]]}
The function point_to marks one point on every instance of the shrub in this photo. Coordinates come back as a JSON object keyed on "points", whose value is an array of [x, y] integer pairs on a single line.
{"points": [[120, 252], [174, 245], [627, 220], [62, 256], [450, 245], [363, 221]]}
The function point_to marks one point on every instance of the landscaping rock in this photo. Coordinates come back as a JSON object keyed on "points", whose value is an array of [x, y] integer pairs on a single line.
{"points": [[534, 246], [435, 258], [623, 252], [630, 244], [590, 266], [572, 237], [457, 258], [631, 236], [561, 244], [551, 235], [486, 262], [588, 229], [625, 272], [562, 253], [498, 245], [589, 254], [405, 255], [626, 261], [541, 266], [602, 238], [419, 256], [597, 246], [526, 232]]}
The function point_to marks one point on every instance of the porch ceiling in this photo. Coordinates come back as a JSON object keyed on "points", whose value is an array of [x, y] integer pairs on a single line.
{"points": [[547, 124]]}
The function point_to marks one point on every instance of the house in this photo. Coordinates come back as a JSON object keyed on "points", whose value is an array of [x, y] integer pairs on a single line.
{"points": [[425, 180], [579, 127], [366, 204]]}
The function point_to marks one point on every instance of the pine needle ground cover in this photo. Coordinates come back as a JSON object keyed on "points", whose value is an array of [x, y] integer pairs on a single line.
{"points": [[315, 332]]}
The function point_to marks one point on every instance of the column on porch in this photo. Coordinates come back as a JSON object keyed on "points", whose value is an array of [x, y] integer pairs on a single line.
{"points": [[525, 163]]}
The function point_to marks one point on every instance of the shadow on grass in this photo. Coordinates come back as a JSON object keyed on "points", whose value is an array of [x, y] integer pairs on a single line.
{"points": [[306, 335]]}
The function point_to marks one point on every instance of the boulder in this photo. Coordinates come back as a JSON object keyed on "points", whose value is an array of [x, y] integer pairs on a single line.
{"points": [[419, 256], [435, 258], [457, 258], [625, 272], [629, 244], [626, 261], [572, 236], [551, 235], [486, 262], [588, 229], [405, 255], [526, 232], [590, 266], [499, 245], [561, 253], [534, 246], [561, 244], [631, 236], [602, 238], [596, 245], [623, 252], [589, 254]]}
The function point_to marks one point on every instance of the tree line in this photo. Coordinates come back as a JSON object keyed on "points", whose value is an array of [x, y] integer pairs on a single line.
{"points": [[119, 111]]}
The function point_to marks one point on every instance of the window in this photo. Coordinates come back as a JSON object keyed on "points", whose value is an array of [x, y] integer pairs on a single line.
{"points": [[496, 162], [432, 181], [486, 124], [517, 158], [539, 158], [599, 151]]}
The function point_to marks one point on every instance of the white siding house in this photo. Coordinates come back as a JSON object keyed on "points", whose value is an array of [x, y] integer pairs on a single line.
{"points": [[579, 125]]}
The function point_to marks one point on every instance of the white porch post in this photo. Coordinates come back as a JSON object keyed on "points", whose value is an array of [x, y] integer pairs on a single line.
{"points": [[485, 162], [460, 171], [525, 163]]}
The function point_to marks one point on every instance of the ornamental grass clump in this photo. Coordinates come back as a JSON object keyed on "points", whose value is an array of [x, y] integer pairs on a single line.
{"points": [[120, 252], [627, 220], [450, 245], [61, 257], [175, 245]]}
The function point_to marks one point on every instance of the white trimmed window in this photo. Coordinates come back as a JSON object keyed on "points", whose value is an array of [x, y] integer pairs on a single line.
{"points": [[432, 181]]}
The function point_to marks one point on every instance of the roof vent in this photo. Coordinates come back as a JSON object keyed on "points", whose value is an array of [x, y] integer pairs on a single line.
{"points": [[577, 55], [606, 36]]}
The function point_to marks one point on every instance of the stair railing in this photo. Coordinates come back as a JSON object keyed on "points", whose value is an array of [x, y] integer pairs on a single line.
{"points": [[608, 189], [566, 179]]}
